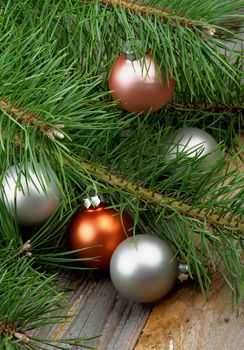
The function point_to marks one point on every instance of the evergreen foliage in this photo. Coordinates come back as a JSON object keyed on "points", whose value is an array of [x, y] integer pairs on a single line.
{"points": [[55, 57]]}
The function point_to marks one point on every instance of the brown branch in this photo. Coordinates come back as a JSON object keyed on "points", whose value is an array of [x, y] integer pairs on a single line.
{"points": [[206, 107], [153, 11], [26, 117], [162, 201], [20, 114], [14, 333]]}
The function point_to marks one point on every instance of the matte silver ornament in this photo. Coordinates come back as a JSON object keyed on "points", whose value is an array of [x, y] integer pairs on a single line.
{"points": [[193, 143], [143, 268], [30, 196]]}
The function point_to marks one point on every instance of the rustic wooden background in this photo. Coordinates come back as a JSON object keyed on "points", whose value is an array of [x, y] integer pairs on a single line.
{"points": [[182, 320], [99, 310]]}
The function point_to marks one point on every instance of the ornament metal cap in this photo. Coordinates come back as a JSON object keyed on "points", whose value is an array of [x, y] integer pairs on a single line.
{"points": [[92, 201], [183, 271], [131, 47]]}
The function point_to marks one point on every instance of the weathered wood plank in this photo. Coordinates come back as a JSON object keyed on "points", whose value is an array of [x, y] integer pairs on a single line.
{"points": [[100, 311], [185, 321]]}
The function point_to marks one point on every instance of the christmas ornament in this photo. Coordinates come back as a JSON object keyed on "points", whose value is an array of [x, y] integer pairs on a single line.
{"points": [[101, 229], [143, 268], [138, 84], [193, 143], [30, 196]]}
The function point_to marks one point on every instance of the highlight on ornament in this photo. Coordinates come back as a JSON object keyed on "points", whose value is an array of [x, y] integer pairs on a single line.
{"points": [[138, 84], [96, 231], [143, 268], [190, 142], [29, 194]]}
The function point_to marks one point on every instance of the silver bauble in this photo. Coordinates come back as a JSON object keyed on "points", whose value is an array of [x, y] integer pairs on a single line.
{"points": [[143, 268], [193, 143], [30, 196]]}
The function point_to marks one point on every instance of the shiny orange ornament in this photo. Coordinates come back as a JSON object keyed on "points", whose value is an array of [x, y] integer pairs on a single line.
{"points": [[139, 85], [102, 227]]}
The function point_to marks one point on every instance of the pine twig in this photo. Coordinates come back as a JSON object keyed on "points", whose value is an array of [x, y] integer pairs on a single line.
{"points": [[14, 333], [24, 116], [154, 11], [21, 114], [206, 107], [162, 201]]}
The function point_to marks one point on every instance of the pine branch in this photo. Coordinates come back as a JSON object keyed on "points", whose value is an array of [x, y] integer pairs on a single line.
{"points": [[29, 300], [172, 16], [221, 108], [162, 13], [20, 114], [157, 199], [28, 118], [13, 333]]}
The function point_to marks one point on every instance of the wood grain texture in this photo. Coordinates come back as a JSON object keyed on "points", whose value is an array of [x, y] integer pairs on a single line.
{"points": [[99, 310], [185, 321]]}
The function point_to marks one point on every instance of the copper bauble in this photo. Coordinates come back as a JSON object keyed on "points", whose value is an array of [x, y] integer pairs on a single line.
{"points": [[139, 84], [102, 227]]}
